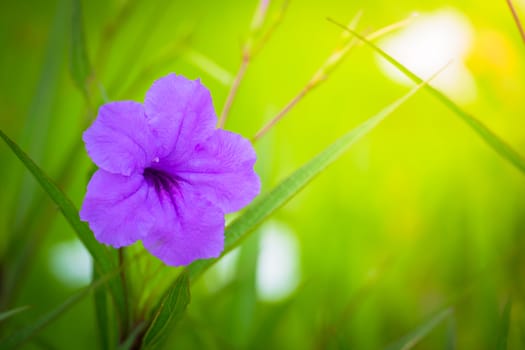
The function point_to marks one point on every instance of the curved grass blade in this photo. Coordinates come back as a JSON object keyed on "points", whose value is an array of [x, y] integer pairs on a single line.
{"points": [[79, 61], [10, 313], [410, 340], [104, 316], [132, 338], [267, 204], [170, 310], [15, 340], [504, 327], [497, 144], [100, 255]]}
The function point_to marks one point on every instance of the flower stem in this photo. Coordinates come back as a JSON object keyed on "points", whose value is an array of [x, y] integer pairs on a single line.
{"points": [[517, 20]]}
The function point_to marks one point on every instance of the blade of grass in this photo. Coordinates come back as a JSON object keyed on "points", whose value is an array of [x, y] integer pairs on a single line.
{"points": [[168, 313], [10, 313], [18, 338], [106, 329], [504, 327], [250, 49], [327, 68], [79, 61], [410, 340], [40, 110], [267, 204], [497, 144], [24, 334], [99, 253], [132, 338]]}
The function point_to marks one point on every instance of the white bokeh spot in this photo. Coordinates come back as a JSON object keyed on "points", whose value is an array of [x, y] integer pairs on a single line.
{"points": [[278, 266], [71, 263], [429, 43]]}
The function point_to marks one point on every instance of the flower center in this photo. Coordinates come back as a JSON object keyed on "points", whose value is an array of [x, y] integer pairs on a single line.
{"points": [[161, 181]]}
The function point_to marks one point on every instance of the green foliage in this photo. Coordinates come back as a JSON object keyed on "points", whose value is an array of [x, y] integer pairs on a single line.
{"points": [[13, 312], [413, 338], [168, 313], [102, 258], [497, 144], [504, 328], [266, 204], [420, 193], [79, 61]]}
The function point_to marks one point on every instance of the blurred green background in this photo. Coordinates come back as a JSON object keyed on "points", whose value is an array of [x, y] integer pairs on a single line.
{"points": [[419, 216]]}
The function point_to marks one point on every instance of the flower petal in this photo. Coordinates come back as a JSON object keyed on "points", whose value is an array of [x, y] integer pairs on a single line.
{"points": [[115, 210], [180, 112], [222, 170], [119, 140], [188, 227]]}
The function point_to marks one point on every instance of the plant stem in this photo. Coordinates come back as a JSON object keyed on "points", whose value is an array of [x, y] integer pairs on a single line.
{"points": [[233, 90], [517, 20]]}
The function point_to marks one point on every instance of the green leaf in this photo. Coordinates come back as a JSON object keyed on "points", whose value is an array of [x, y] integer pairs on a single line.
{"points": [[504, 327], [170, 310], [9, 313], [99, 253], [497, 144], [411, 339], [79, 61], [267, 204]]}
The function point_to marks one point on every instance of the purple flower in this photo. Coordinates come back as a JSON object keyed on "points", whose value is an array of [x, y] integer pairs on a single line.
{"points": [[167, 176]]}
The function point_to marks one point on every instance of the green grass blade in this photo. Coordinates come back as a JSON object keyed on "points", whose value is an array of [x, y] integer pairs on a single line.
{"points": [[99, 253], [497, 144], [21, 336], [104, 318], [411, 339], [268, 203], [132, 338], [504, 327], [79, 61], [10, 313], [170, 310], [40, 113], [65, 205]]}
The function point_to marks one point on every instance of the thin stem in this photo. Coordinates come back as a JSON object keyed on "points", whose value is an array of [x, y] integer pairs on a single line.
{"points": [[324, 72], [517, 20], [126, 319], [283, 112], [250, 50], [233, 90]]}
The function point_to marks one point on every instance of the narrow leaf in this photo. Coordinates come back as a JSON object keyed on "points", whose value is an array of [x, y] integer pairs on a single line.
{"points": [[62, 201], [132, 338], [9, 313], [497, 144], [103, 317], [504, 327], [80, 67], [15, 340], [168, 313], [411, 339], [100, 255], [267, 204]]}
